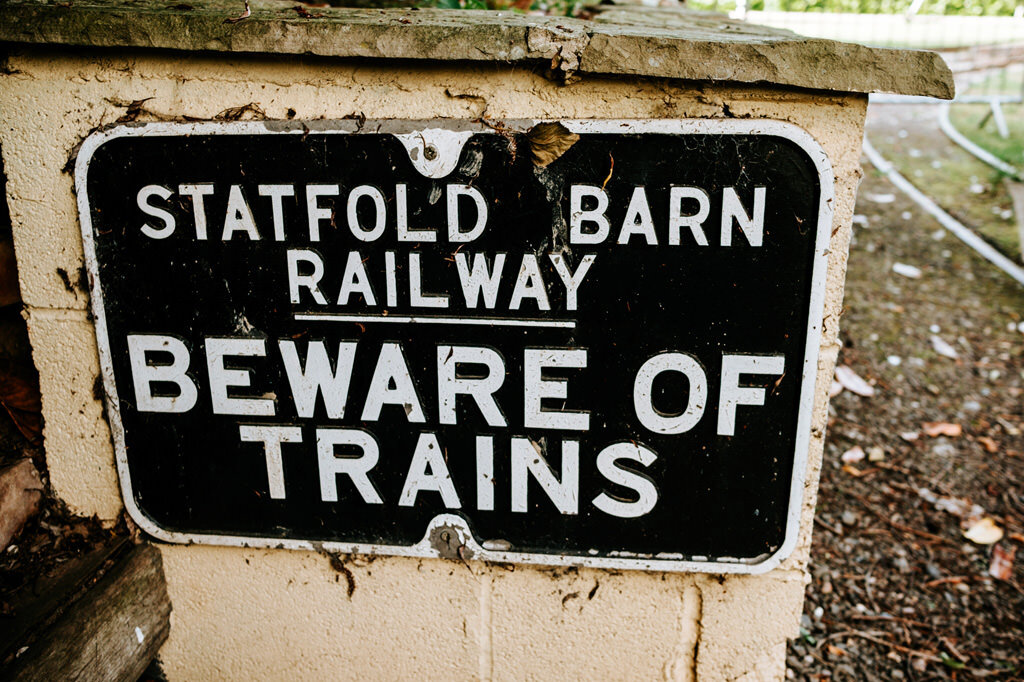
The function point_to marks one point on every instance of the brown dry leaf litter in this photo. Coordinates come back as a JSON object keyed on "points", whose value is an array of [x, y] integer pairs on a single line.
{"points": [[897, 591]]}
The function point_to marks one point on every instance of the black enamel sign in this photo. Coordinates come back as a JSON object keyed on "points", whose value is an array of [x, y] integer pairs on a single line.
{"points": [[412, 338]]}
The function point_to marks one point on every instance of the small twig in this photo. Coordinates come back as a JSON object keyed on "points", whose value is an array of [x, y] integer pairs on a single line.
{"points": [[895, 619], [953, 650], [835, 529], [899, 526], [898, 647], [954, 580]]}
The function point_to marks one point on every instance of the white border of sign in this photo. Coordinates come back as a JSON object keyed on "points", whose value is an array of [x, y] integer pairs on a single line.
{"points": [[442, 134]]}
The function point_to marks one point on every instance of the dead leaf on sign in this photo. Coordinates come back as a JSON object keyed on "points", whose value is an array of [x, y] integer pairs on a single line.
{"points": [[984, 532], [548, 141]]}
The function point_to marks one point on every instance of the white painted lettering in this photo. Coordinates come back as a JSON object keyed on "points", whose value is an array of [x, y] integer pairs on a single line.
{"points": [[677, 219], [732, 394], [356, 468], [485, 473], [142, 199], [428, 471], [144, 375], [654, 419], [314, 211], [752, 226], [527, 458], [402, 219], [222, 378], [455, 233], [197, 192], [578, 217], [477, 280], [646, 491], [317, 376], [571, 280], [310, 282], [238, 217], [536, 389], [276, 194], [356, 281], [638, 219], [392, 369], [482, 389], [416, 296], [272, 437], [529, 284], [379, 213]]}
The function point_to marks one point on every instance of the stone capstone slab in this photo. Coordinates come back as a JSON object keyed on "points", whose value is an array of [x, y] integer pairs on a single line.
{"points": [[622, 40]]}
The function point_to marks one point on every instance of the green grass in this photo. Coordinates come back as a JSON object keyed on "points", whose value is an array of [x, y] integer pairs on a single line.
{"points": [[972, 191], [976, 124]]}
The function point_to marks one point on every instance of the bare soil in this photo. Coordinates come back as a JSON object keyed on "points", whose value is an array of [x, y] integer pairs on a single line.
{"points": [[898, 592]]}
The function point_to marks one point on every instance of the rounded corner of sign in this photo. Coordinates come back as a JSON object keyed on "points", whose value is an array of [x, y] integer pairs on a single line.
{"points": [[94, 141], [151, 527], [775, 559], [806, 141]]}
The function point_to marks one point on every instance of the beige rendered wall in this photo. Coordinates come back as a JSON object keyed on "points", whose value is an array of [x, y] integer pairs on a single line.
{"points": [[282, 614]]}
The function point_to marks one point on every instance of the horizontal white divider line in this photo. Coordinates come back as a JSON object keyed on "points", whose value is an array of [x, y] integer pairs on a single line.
{"points": [[431, 319]]}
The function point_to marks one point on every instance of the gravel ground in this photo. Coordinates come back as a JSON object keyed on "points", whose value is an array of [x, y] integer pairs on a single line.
{"points": [[898, 591]]}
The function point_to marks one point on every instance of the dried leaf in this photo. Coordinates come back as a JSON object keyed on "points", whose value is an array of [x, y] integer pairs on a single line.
{"points": [[237, 113], [1001, 566], [18, 392], [834, 650], [852, 470], [548, 141], [133, 110], [852, 382], [989, 444], [935, 429], [19, 396], [984, 532]]}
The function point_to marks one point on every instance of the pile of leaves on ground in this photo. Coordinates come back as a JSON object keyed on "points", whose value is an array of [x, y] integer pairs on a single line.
{"points": [[916, 561], [47, 535]]}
